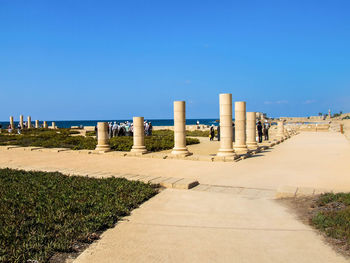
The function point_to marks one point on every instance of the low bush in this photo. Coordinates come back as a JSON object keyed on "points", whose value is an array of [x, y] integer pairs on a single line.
{"points": [[198, 133], [44, 213], [333, 216], [90, 133], [160, 140]]}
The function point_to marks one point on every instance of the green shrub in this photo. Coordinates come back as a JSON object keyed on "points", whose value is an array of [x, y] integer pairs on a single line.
{"points": [[43, 213], [333, 217], [90, 133], [160, 140]]}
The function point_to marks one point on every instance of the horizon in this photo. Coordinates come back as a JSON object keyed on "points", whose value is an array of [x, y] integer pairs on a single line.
{"points": [[83, 60]]}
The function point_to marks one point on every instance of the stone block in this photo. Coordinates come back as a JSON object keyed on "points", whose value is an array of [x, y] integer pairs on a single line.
{"points": [[185, 183]]}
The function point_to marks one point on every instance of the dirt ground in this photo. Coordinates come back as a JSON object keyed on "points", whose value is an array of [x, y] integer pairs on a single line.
{"points": [[305, 208]]}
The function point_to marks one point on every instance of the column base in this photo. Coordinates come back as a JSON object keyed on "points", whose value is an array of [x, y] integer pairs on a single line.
{"points": [[252, 146], [139, 149], [181, 151], [102, 148], [241, 149], [226, 153]]}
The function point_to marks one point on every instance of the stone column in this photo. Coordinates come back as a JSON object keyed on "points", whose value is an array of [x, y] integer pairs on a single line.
{"points": [[180, 129], [102, 137], [21, 121], [53, 125], [240, 127], [226, 129], [45, 125], [251, 131], [29, 122], [37, 124], [280, 130], [139, 136], [12, 124]]}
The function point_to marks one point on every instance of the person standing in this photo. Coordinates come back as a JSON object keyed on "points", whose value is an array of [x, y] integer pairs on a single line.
{"points": [[150, 128], [233, 132], [115, 129], [260, 132], [110, 130], [218, 132], [212, 132], [266, 130]]}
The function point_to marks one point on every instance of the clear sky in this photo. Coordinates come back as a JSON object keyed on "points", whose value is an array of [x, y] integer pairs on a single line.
{"points": [[81, 59]]}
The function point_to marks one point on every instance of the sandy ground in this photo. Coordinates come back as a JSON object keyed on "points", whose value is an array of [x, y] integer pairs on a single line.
{"points": [[319, 160]]}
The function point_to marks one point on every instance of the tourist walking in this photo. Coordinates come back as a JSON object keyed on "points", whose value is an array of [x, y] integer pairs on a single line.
{"points": [[260, 131], [212, 132]]}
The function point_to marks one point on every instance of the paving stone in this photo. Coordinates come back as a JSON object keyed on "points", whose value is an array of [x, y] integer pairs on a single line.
{"points": [[201, 187], [185, 183], [159, 180], [169, 182]]}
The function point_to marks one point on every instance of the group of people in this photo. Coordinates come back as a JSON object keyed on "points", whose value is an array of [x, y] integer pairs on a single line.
{"points": [[126, 129], [263, 130], [19, 128]]}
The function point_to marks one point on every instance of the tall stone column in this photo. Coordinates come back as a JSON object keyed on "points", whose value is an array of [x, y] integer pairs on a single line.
{"points": [[240, 127], [45, 125], [280, 130], [21, 121], [251, 131], [12, 124], [102, 137], [180, 129], [37, 124], [53, 125], [139, 136], [226, 129], [29, 121]]}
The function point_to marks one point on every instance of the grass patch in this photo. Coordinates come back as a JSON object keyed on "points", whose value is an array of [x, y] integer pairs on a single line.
{"points": [[45, 213], [61, 138], [333, 216], [160, 140], [49, 139]]}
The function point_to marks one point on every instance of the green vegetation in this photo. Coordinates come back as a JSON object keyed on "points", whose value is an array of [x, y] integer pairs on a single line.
{"points": [[90, 133], [48, 138], [346, 118], [197, 133], [160, 140], [333, 216], [44, 213]]}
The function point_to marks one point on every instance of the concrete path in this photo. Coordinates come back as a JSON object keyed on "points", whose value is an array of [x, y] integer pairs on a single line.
{"points": [[200, 226], [226, 224], [319, 160]]}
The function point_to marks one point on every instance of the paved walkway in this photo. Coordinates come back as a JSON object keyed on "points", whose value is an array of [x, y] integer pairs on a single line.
{"points": [[309, 159], [217, 221]]}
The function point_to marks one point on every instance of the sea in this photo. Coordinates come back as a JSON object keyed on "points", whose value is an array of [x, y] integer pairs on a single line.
{"points": [[155, 122]]}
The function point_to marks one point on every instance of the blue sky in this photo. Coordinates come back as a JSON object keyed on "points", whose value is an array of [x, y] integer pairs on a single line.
{"points": [[81, 59]]}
